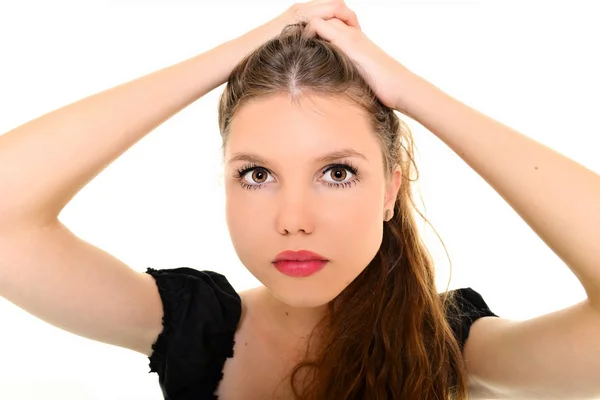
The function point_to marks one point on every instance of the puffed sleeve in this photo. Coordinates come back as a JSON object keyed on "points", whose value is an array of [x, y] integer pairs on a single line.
{"points": [[470, 306], [201, 314]]}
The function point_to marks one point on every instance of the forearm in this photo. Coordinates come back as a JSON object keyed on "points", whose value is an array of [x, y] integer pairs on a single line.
{"points": [[45, 162], [557, 197]]}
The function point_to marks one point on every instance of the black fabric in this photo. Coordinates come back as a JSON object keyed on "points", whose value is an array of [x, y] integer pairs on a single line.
{"points": [[470, 307], [201, 314]]}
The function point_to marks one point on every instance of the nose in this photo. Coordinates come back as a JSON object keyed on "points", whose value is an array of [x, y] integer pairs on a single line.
{"points": [[295, 213]]}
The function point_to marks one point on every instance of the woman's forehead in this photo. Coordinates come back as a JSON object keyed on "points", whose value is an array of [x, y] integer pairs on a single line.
{"points": [[313, 125]]}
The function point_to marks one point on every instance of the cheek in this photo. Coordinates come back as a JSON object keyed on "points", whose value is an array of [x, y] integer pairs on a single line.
{"points": [[361, 210], [359, 232], [352, 219], [247, 221], [354, 227]]}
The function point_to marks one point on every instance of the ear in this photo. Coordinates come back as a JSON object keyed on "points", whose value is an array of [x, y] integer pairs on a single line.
{"points": [[391, 191]]}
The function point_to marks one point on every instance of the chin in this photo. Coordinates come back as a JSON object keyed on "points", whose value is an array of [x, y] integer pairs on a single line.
{"points": [[304, 301], [296, 295]]}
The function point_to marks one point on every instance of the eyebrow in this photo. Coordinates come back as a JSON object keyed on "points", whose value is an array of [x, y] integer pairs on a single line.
{"points": [[329, 157]]}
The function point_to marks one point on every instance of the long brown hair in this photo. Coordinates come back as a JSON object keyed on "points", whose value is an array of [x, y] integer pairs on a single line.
{"points": [[387, 335]]}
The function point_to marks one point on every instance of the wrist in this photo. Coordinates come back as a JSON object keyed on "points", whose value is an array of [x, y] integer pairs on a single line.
{"points": [[419, 98], [227, 55], [234, 50], [263, 33], [409, 86]]}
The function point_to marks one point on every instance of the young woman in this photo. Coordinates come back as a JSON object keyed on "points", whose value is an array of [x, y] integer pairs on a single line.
{"points": [[319, 209]]}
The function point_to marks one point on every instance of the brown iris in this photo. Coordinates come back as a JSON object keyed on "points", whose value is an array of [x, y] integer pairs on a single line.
{"points": [[339, 173], [259, 175]]}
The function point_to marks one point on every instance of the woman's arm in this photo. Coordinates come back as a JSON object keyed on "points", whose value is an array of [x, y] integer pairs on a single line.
{"points": [[45, 269], [45, 162], [48, 271], [557, 197], [553, 355]]}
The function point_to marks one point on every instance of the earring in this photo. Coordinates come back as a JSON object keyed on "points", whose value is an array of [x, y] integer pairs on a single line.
{"points": [[388, 215]]}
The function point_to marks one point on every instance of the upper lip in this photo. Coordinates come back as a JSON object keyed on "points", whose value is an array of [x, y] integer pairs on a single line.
{"points": [[301, 255]]}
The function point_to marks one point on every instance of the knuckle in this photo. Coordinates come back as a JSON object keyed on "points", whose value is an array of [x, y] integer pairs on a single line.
{"points": [[352, 15], [339, 5], [343, 9], [298, 12], [295, 9]]}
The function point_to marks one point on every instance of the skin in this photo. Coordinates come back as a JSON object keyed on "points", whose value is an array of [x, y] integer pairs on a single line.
{"points": [[295, 208]]}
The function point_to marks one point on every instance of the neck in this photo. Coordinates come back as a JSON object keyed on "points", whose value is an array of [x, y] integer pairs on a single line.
{"points": [[289, 323]]}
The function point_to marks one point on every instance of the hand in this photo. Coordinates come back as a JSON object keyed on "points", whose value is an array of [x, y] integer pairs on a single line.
{"points": [[322, 9], [325, 10], [386, 76]]}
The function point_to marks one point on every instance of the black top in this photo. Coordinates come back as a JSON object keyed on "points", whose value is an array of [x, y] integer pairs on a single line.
{"points": [[201, 314]]}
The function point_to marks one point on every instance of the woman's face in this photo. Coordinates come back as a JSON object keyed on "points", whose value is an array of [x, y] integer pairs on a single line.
{"points": [[313, 180]]}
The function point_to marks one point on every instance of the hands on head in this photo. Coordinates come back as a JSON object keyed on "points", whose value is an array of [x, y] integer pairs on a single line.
{"points": [[335, 22]]}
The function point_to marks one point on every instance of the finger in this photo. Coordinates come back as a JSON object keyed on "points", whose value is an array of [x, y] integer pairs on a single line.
{"points": [[348, 17], [338, 10], [342, 30], [341, 26], [343, 13], [323, 28]]}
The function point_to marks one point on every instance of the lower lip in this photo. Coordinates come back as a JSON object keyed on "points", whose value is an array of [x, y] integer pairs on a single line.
{"points": [[300, 269]]}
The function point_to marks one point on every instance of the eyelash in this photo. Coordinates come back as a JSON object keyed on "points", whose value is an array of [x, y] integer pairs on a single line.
{"points": [[239, 175]]}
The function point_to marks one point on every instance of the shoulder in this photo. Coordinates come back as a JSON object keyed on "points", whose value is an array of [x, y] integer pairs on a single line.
{"points": [[463, 308], [203, 290], [201, 312]]}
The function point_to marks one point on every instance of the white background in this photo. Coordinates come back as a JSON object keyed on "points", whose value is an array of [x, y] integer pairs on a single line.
{"points": [[532, 66]]}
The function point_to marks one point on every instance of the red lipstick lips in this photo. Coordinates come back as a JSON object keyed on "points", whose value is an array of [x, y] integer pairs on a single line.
{"points": [[299, 264]]}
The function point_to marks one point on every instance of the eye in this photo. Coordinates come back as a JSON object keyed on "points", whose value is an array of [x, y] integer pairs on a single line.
{"points": [[254, 176], [341, 175]]}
